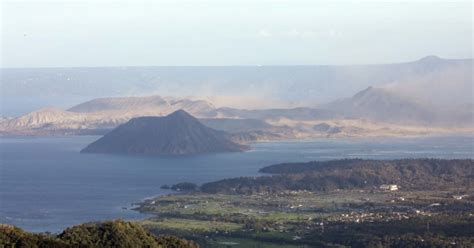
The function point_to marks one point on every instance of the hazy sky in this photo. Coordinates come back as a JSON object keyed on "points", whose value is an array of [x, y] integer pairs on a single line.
{"points": [[133, 33]]}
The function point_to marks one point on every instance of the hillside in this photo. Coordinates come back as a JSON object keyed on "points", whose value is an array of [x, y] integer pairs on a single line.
{"points": [[391, 104], [428, 96], [110, 234], [176, 134], [371, 113], [409, 174], [159, 105], [383, 105], [439, 94]]}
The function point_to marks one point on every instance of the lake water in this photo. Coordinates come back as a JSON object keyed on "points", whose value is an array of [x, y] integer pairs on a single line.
{"points": [[47, 185]]}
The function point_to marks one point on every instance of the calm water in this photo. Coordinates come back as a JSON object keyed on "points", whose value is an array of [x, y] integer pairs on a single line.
{"points": [[46, 185]]}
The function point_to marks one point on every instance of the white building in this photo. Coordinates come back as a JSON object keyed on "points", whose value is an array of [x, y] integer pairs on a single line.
{"points": [[389, 187]]}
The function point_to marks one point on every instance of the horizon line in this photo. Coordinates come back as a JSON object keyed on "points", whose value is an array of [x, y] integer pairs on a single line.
{"points": [[250, 65]]}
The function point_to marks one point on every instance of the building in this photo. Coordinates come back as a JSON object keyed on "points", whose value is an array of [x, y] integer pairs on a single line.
{"points": [[389, 187]]}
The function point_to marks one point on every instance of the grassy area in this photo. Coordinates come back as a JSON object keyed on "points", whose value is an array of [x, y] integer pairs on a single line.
{"points": [[192, 225], [284, 217], [292, 218], [247, 243]]}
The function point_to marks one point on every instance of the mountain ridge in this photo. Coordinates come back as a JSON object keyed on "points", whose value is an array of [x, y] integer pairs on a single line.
{"points": [[178, 133], [385, 104], [288, 84], [429, 94]]}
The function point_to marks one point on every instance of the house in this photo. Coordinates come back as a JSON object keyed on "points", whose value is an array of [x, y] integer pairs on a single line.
{"points": [[389, 187], [459, 197]]}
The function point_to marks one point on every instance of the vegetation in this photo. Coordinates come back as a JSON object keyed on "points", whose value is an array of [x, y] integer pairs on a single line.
{"points": [[316, 204], [410, 174], [326, 219], [185, 186], [328, 204], [247, 243], [435, 231], [11, 236], [113, 234], [178, 133], [192, 225], [165, 186]]}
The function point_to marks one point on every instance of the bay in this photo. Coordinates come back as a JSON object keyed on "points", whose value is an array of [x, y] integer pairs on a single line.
{"points": [[47, 185]]}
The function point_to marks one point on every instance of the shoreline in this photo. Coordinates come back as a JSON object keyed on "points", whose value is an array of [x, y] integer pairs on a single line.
{"points": [[127, 204]]}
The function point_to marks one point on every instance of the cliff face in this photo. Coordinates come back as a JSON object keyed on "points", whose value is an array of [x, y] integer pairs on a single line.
{"points": [[176, 134]]}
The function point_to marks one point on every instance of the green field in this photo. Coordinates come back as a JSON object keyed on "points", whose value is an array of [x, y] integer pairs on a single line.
{"points": [[192, 225], [247, 243], [295, 219]]}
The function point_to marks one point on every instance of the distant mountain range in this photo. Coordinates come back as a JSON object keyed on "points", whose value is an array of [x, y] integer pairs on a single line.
{"points": [[249, 87], [373, 111], [431, 95], [178, 133], [385, 104], [154, 104], [382, 105]]}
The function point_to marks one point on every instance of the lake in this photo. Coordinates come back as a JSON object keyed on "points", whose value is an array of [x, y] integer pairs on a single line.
{"points": [[47, 185]]}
